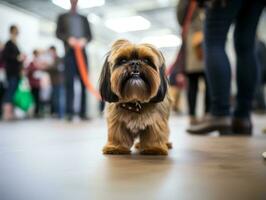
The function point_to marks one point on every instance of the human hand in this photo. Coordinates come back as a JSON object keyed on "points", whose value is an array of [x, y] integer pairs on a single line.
{"points": [[82, 42], [180, 80], [72, 41], [21, 57]]}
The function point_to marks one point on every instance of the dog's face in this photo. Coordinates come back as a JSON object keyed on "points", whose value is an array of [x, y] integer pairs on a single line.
{"points": [[133, 73]]}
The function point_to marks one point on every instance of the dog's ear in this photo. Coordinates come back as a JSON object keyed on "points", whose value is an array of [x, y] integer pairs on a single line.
{"points": [[119, 43], [105, 84], [162, 88]]}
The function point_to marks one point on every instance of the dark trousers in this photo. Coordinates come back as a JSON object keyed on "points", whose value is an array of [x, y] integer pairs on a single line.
{"points": [[12, 84], [245, 14], [192, 91], [36, 96], [71, 72], [57, 101], [2, 92], [259, 101]]}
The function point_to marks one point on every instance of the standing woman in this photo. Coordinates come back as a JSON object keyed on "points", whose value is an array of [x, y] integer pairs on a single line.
{"points": [[194, 61], [220, 16], [13, 63]]}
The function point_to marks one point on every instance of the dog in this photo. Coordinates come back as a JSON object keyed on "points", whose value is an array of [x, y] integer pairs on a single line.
{"points": [[134, 84]]}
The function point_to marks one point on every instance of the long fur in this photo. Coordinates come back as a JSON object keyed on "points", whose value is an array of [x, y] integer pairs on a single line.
{"points": [[151, 124]]}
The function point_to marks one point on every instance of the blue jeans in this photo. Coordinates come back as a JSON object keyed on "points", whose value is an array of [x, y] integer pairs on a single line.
{"points": [[12, 84], [57, 100], [245, 14]]}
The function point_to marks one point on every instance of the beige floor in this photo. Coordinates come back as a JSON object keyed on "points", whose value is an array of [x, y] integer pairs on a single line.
{"points": [[53, 160]]}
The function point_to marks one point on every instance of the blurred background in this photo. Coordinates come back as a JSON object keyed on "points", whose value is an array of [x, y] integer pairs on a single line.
{"points": [[49, 157], [152, 21]]}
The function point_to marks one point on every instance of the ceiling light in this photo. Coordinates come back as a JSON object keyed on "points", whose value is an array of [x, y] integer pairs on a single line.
{"points": [[169, 40], [127, 24], [65, 4]]}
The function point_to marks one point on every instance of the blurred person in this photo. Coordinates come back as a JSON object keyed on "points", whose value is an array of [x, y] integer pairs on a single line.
{"points": [[2, 77], [219, 17], [194, 63], [175, 84], [101, 106], [13, 63], [55, 71], [73, 29], [32, 72], [260, 103]]}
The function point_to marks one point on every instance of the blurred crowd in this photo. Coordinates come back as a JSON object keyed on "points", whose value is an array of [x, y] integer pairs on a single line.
{"points": [[31, 83], [205, 25], [43, 84], [39, 85]]}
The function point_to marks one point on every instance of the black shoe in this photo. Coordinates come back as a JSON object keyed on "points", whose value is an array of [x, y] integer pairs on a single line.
{"points": [[85, 118], [242, 126], [210, 124]]}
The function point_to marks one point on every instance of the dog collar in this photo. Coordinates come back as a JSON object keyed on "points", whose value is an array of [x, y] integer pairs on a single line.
{"points": [[136, 107]]}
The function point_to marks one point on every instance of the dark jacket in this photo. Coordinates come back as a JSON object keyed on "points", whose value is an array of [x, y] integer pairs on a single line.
{"points": [[72, 25], [31, 73], [10, 57], [55, 72]]}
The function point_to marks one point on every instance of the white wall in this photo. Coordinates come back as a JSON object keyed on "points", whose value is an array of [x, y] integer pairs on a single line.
{"points": [[36, 32], [28, 26]]}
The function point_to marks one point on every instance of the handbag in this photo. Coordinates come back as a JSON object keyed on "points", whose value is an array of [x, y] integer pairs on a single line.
{"points": [[23, 98], [179, 64]]}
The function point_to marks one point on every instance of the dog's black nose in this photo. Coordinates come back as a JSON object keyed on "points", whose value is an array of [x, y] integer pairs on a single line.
{"points": [[135, 65]]}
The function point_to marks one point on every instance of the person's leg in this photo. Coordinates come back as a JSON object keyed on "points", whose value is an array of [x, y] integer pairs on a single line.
{"points": [[52, 101], [69, 82], [259, 101], [57, 99], [217, 23], [83, 103], [83, 100], [12, 84], [192, 96], [218, 71], [207, 95], [35, 94], [37, 111], [61, 101], [247, 69], [2, 92]]}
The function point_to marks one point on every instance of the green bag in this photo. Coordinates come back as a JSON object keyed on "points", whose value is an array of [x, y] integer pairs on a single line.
{"points": [[23, 98]]}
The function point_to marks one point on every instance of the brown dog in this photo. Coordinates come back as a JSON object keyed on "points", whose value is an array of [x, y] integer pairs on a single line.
{"points": [[133, 82]]}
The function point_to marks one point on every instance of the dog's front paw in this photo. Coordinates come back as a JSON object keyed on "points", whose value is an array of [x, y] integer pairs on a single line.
{"points": [[112, 149], [168, 144], [154, 151]]}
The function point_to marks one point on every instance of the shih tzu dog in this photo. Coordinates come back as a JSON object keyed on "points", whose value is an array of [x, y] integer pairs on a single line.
{"points": [[133, 82]]}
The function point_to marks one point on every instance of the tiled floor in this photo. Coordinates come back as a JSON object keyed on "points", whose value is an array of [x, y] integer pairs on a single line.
{"points": [[55, 160]]}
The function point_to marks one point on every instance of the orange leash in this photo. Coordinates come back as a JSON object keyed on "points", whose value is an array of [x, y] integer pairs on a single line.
{"points": [[83, 71]]}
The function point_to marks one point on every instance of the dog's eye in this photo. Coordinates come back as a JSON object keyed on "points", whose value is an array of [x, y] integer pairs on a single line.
{"points": [[147, 60], [122, 61]]}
